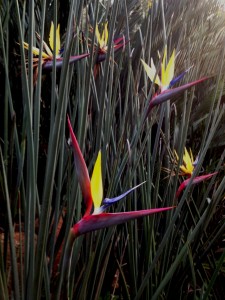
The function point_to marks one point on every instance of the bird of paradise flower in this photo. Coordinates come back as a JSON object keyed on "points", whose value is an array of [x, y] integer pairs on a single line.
{"points": [[167, 80], [92, 191], [187, 168], [102, 45], [102, 40], [47, 55], [189, 163]]}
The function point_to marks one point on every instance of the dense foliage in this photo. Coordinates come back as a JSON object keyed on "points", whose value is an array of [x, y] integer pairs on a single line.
{"points": [[178, 254]]}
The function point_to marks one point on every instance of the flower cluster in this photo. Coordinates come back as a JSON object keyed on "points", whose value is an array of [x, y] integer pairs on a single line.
{"points": [[92, 189]]}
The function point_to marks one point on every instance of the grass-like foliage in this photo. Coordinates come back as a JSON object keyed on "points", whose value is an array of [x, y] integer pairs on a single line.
{"points": [[139, 86]]}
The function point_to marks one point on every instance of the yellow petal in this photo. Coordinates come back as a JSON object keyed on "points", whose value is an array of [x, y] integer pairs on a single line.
{"points": [[182, 167], [102, 39], [169, 73], [35, 50], [187, 166], [105, 34], [188, 161], [149, 3], [184, 170], [51, 38], [157, 80], [58, 44], [96, 183], [151, 71], [98, 36], [186, 157]]}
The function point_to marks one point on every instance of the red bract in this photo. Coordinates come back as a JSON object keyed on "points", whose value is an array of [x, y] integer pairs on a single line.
{"points": [[169, 93], [82, 171], [103, 220], [48, 65], [196, 180]]}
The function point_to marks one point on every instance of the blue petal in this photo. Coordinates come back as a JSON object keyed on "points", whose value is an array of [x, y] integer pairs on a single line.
{"points": [[109, 201], [196, 161], [61, 50], [178, 78]]}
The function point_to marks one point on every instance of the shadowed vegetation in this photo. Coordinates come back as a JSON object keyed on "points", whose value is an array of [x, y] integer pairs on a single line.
{"points": [[178, 254]]}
